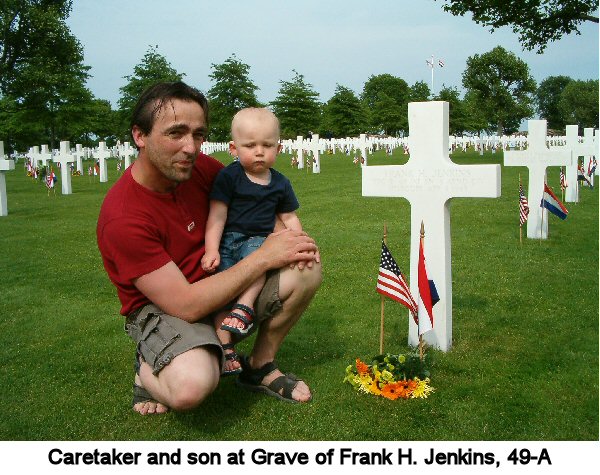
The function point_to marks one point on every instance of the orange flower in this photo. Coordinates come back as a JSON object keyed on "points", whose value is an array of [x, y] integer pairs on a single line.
{"points": [[361, 367], [391, 391], [405, 388]]}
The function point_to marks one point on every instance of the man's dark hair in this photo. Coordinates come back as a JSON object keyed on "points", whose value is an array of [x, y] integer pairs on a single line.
{"points": [[155, 97]]}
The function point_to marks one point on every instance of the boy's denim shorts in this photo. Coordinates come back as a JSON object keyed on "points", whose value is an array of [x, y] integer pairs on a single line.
{"points": [[235, 246]]}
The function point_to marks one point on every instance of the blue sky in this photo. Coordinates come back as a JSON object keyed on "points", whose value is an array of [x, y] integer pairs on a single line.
{"points": [[328, 41]]}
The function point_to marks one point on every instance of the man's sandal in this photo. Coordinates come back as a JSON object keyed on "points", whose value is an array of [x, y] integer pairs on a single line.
{"points": [[251, 379], [232, 356], [246, 320]]}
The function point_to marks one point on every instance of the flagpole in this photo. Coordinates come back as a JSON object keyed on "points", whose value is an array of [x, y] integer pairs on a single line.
{"points": [[520, 225], [541, 205], [420, 335], [562, 188], [382, 300]]}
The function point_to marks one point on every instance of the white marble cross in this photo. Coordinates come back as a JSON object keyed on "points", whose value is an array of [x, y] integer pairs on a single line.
{"points": [[127, 152], [363, 145], [588, 141], [101, 155], [596, 143], [428, 181], [34, 155], [45, 156], [79, 155], [65, 158], [298, 146], [577, 150], [537, 157], [314, 147], [5, 165]]}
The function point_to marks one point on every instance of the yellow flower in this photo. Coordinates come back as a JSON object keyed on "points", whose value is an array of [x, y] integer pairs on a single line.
{"points": [[401, 359], [422, 389], [374, 388]]}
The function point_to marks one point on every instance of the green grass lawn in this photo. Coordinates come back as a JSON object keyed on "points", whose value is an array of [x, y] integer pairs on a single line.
{"points": [[523, 366]]}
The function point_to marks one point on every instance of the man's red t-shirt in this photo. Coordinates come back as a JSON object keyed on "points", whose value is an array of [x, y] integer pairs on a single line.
{"points": [[140, 230]]}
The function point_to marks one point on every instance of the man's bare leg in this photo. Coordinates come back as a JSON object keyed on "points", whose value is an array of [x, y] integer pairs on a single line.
{"points": [[181, 385], [296, 290]]}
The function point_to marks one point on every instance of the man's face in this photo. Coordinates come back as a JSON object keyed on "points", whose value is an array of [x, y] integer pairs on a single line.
{"points": [[174, 142]]}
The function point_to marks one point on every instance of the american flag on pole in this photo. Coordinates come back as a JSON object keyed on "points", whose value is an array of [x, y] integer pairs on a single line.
{"points": [[563, 179], [50, 179], [391, 282], [523, 206]]}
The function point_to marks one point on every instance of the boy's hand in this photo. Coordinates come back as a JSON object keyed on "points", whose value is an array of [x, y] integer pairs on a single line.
{"points": [[210, 262]]}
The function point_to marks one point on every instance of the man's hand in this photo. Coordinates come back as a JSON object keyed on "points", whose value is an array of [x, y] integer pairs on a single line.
{"points": [[288, 247]]}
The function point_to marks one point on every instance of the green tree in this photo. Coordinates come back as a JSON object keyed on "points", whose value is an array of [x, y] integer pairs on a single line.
{"points": [[458, 116], [537, 22], [501, 87], [233, 90], [31, 30], [475, 120], [386, 99], [547, 97], [343, 114], [389, 117], [578, 103], [419, 92], [152, 69], [297, 107], [43, 76]]}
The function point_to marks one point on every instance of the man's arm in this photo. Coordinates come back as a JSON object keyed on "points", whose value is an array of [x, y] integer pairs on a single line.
{"points": [[168, 288]]}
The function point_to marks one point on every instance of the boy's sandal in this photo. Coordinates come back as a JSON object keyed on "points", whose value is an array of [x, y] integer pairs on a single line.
{"points": [[247, 321], [251, 379], [232, 356]]}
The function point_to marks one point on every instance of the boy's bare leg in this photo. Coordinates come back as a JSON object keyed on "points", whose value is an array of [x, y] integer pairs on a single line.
{"points": [[247, 298], [226, 338]]}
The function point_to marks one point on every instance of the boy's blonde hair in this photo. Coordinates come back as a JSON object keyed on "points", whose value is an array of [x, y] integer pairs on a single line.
{"points": [[253, 113]]}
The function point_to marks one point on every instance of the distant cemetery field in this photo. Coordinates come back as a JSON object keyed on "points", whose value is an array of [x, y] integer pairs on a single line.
{"points": [[523, 365]]}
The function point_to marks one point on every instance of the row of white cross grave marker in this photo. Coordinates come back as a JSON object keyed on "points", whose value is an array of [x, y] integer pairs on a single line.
{"points": [[65, 156], [429, 180]]}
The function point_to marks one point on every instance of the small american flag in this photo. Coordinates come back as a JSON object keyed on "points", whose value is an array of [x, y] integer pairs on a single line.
{"points": [[391, 282], [523, 206], [563, 179]]}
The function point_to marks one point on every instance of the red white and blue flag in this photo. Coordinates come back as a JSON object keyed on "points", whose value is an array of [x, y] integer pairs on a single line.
{"points": [[553, 204], [391, 282], [581, 176], [591, 166], [563, 179], [428, 296], [50, 179], [523, 206]]}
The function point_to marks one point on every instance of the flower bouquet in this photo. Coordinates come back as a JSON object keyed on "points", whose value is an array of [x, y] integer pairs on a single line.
{"points": [[391, 376]]}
